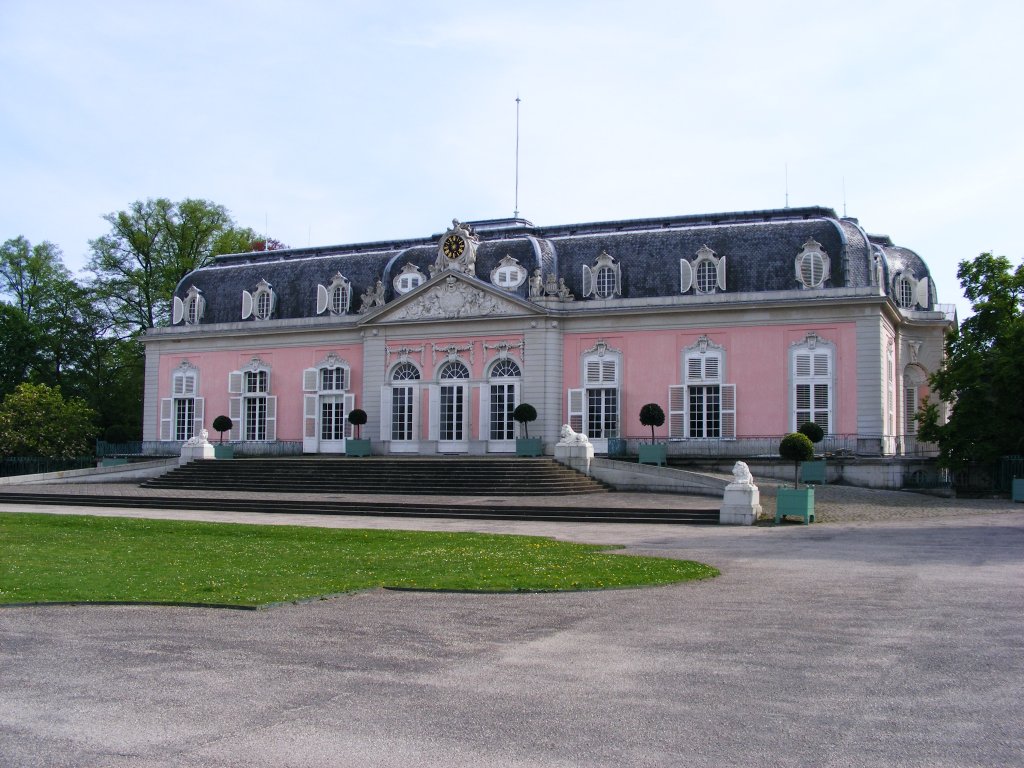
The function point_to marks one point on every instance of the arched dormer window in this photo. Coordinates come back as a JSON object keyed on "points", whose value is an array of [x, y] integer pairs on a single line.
{"points": [[190, 309], [336, 297], [705, 274], [812, 265], [604, 279], [908, 291], [408, 278], [509, 274], [260, 303]]}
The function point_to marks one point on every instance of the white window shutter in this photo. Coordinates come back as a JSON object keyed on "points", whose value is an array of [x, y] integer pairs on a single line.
{"points": [[235, 414], [588, 281], [178, 385], [434, 409], [728, 412], [309, 380], [608, 372], [921, 292], [178, 311], [593, 371], [350, 404], [347, 305], [246, 305], [720, 273], [685, 276], [200, 406], [821, 364], [711, 368], [235, 383], [618, 278], [803, 364], [322, 299], [576, 404], [694, 369], [271, 417], [309, 434], [166, 416], [677, 411]]}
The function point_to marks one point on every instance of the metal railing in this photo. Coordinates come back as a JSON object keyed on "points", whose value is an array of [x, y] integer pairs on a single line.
{"points": [[768, 446], [158, 448], [36, 465]]}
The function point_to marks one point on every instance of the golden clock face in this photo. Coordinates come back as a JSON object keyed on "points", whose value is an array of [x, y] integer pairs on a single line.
{"points": [[453, 246]]}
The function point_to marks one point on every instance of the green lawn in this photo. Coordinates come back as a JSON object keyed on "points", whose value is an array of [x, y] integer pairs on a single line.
{"points": [[60, 558]]}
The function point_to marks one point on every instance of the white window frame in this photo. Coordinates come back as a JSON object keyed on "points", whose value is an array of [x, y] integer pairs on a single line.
{"points": [[703, 370], [689, 275], [500, 375], [252, 398], [259, 304], [812, 265], [408, 279], [812, 366], [408, 378], [509, 274], [335, 297], [604, 279], [601, 375], [315, 386], [190, 310], [184, 398], [908, 291]]}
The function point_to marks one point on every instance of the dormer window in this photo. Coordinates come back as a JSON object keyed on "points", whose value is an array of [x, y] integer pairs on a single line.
{"points": [[508, 274], [910, 292], [705, 274], [336, 297], [260, 303], [812, 265], [190, 310], [408, 278], [604, 279]]}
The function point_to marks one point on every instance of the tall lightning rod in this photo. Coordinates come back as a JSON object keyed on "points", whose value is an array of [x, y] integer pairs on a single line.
{"points": [[515, 213]]}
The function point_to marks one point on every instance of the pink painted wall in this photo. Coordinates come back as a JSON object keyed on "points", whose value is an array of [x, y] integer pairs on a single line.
{"points": [[286, 367], [756, 361]]}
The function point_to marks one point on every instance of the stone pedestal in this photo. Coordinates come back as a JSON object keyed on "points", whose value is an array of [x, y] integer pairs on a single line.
{"points": [[198, 447], [741, 504], [576, 455]]}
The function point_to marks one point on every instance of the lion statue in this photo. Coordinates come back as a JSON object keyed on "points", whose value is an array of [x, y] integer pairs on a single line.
{"points": [[741, 473], [569, 436]]}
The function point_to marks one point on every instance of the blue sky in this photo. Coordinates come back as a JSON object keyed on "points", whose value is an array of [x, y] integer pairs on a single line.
{"points": [[338, 122]]}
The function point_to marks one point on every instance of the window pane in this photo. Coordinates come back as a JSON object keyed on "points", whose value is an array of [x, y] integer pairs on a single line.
{"points": [[184, 418]]}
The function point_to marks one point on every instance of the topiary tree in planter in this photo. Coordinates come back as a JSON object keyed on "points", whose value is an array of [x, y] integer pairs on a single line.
{"points": [[651, 415], [357, 417], [524, 414], [796, 447], [222, 424], [813, 432]]}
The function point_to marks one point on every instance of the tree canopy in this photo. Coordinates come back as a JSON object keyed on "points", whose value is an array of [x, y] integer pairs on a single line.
{"points": [[982, 377], [151, 247], [36, 420]]}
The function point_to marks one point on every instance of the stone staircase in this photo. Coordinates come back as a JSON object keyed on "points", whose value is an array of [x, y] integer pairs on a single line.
{"points": [[384, 475]]}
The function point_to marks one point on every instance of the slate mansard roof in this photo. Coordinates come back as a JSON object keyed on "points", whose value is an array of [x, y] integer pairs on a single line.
{"points": [[760, 248]]}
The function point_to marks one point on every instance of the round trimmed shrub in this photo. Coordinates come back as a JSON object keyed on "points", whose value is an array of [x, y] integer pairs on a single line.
{"points": [[222, 424], [814, 433], [652, 415], [796, 447], [524, 414], [357, 417]]}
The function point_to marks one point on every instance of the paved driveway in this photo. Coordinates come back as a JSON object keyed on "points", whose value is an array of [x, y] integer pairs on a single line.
{"points": [[897, 643]]}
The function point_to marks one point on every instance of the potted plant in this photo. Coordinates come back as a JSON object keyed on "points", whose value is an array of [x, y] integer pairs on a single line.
{"points": [[813, 471], [356, 446], [223, 424], [527, 446], [796, 501], [652, 415]]}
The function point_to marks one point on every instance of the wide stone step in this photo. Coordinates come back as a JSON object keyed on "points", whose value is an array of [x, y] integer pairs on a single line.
{"points": [[688, 516]]}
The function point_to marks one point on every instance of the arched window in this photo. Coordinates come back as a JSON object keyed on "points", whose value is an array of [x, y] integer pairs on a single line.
{"points": [[403, 393], [254, 409], [408, 278], [453, 370], [406, 372], [190, 309], [503, 389], [260, 303], [705, 274], [604, 279], [509, 274], [336, 297]]}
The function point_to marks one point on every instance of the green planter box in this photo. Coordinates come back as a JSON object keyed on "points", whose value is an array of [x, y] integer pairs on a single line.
{"points": [[360, 447], [813, 472], [653, 454], [795, 502], [1018, 489], [221, 451], [529, 446], [112, 461]]}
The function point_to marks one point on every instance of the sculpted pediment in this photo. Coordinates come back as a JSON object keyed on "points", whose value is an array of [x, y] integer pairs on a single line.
{"points": [[451, 296]]}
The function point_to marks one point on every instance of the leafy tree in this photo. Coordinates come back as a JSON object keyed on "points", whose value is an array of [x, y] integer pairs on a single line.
{"points": [[36, 420], [982, 377], [31, 275], [652, 415], [150, 248], [18, 344]]}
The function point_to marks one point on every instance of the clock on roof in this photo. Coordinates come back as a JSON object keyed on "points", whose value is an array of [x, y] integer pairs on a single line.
{"points": [[453, 246], [456, 250]]}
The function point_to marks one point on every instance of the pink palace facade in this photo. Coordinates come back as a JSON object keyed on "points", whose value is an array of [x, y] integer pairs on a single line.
{"points": [[740, 325]]}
